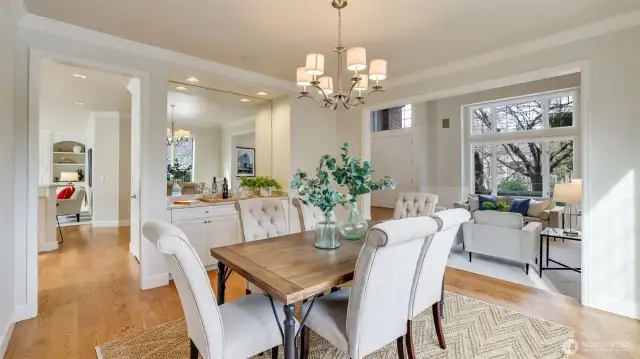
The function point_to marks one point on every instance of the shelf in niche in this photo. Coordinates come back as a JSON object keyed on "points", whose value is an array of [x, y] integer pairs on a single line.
{"points": [[68, 164], [69, 153]]}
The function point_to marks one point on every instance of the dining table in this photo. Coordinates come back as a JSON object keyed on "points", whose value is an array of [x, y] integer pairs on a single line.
{"points": [[289, 269]]}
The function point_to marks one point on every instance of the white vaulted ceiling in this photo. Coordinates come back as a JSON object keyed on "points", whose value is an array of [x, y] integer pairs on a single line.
{"points": [[272, 36]]}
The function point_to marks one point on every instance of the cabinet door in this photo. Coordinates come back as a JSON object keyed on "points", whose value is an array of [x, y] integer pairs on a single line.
{"points": [[196, 231], [221, 231]]}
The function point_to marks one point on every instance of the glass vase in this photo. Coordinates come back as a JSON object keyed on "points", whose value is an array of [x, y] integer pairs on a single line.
{"points": [[355, 227], [176, 190], [327, 233]]}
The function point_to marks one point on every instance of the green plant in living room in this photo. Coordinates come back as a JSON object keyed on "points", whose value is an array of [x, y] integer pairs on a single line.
{"points": [[356, 176], [497, 206], [319, 192]]}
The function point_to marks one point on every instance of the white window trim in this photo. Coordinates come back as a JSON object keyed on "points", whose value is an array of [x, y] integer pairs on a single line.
{"points": [[543, 136]]}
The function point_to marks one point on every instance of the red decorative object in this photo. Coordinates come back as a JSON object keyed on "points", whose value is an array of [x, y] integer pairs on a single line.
{"points": [[66, 193]]}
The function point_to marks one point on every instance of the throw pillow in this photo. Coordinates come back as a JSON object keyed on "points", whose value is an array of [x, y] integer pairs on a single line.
{"points": [[520, 205], [474, 205], [536, 207], [66, 193], [485, 198]]}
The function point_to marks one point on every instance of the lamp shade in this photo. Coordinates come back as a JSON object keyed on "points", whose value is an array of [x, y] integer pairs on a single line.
{"points": [[181, 132], [315, 64], [570, 193], [357, 58], [326, 84], [68, 176], [378, 69], [302, 77], [363, 83]]}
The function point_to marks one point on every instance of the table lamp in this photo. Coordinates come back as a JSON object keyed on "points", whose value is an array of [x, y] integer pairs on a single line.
{"points": [[69, 177], [571, 194]]}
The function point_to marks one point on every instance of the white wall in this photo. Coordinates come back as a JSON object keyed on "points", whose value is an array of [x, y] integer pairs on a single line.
{"points": [[263, 140], [124, 165], [281, 140], [7, 258], [208, 152], [612, 179]]}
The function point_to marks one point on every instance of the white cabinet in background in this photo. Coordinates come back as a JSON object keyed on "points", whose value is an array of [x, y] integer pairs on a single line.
{"points": [[208, 232]]}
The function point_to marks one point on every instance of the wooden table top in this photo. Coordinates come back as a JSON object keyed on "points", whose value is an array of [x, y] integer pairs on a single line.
{"points": [[290, 267]]}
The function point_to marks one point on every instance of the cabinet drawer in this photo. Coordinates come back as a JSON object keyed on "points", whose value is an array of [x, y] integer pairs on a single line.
{"points": [[202, 212]]}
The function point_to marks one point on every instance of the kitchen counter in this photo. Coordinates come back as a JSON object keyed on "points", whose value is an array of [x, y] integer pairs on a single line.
{"points": [[217, 202]]}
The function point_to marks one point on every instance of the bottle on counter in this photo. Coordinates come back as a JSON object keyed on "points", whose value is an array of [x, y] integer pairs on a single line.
{"points": [[214, 186], [225, 189]]}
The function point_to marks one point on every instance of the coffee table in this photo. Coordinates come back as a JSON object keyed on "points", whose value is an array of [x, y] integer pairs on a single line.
{"points": [[555, 233]]}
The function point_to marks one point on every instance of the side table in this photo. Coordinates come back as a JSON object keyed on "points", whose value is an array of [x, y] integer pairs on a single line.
{"points": [[555, 233]]}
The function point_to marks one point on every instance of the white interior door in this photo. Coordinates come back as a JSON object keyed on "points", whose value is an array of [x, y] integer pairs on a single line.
{"points": [[392, 155], [134, 221]]}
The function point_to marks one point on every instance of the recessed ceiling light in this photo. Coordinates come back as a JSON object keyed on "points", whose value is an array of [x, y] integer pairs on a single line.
{"points": [[78, 103], [182, 88], [244, 99], [262, 93], [80, 76], [193, 79]]}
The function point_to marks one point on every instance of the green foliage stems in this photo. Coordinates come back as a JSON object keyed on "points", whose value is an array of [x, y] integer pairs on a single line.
{"points": [[260, 182]]}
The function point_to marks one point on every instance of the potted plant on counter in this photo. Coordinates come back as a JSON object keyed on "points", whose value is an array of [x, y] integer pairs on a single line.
{"points": [[260, 183], [318, 191], [177, 174], [355, 175]]}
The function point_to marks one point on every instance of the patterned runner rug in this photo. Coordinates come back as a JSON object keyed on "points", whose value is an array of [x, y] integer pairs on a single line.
{"points": [[472, 329]]}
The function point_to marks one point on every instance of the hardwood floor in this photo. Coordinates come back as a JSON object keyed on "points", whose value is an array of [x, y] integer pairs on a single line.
{"points": [[89, 294]]}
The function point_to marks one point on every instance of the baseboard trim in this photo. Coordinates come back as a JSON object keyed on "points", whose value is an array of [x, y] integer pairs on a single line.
{"points": [[621, 307], [47, 247], [5, 337], [155, 281], [104, 224], [22, 312]]}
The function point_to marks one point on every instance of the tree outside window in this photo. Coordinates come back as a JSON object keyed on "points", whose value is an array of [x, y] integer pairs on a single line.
{"points": [[183, 163]]}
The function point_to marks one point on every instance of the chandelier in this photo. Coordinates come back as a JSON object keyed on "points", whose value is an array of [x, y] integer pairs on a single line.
{"points": [[308, 76]]}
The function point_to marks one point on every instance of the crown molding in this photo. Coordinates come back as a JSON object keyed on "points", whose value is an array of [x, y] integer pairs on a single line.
{"points": [[39, 23], [593, 29]]}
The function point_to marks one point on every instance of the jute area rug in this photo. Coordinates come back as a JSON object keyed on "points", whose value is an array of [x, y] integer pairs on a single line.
{"points": [[472, 329]]}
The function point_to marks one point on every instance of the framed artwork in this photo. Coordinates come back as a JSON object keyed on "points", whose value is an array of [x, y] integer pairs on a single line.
{"points": [[245, 162]]}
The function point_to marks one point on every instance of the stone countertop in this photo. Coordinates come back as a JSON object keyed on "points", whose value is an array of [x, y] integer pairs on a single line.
{"points": [[171, 205]]}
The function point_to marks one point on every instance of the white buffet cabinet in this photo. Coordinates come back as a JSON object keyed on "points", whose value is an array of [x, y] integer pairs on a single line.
{"points": [[209, 226]]}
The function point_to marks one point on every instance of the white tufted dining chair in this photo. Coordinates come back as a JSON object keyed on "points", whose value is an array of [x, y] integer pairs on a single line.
{"points": [[429, 274], [415, 205], [373, 313], [216, 332], [261, 218], [308, 214]]}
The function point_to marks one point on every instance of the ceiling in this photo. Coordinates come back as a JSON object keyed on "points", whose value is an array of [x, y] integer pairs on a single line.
{"points": [[272, 37], [59, 90]]}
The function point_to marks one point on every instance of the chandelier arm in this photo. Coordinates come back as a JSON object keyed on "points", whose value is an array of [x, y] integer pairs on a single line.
{"points": [[323, 103], [353, 85]]}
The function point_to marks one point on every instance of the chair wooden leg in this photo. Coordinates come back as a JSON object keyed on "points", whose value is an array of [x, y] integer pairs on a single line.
{"points": [[438, 324], [526, 268], [194, 351], [304, 343], [400, 348], [469, 256], [247, 292], [409, 341], [274, 352], [78, 217]]}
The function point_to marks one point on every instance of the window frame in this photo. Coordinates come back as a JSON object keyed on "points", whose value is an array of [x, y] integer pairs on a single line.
{"points": [[193, 154], [543, 136]]}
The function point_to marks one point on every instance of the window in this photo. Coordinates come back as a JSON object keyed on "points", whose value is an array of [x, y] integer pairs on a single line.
{"points": [[527, 153], [184, 150], [391, 119]]}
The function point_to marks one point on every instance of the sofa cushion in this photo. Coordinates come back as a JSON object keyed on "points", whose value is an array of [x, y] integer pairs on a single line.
{"points": [[482, 198], [544, 214], [498, 219], [520, 205], [535, 207], [474, 203]]}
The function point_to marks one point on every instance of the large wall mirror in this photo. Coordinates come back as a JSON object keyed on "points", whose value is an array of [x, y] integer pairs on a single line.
{"points": [[213, 133]]}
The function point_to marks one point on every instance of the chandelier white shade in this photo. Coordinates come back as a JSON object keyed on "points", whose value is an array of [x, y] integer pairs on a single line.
{"points": [[356, 61], [302, 77], [315, 64], [378, 70]]}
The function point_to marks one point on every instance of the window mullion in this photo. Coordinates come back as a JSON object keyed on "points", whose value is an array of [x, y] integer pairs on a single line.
{"points": [[494, 128], [546, 186], [545, 113], [494, 170]]}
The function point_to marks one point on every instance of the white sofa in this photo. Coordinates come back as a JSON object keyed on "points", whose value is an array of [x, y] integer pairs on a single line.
{"points": [[550, 216], [502, 235]]}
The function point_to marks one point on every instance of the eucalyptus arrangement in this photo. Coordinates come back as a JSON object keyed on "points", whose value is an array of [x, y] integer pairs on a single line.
{"points": [[319, 192], [355, 175], [177, 172], [351, 173]]}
